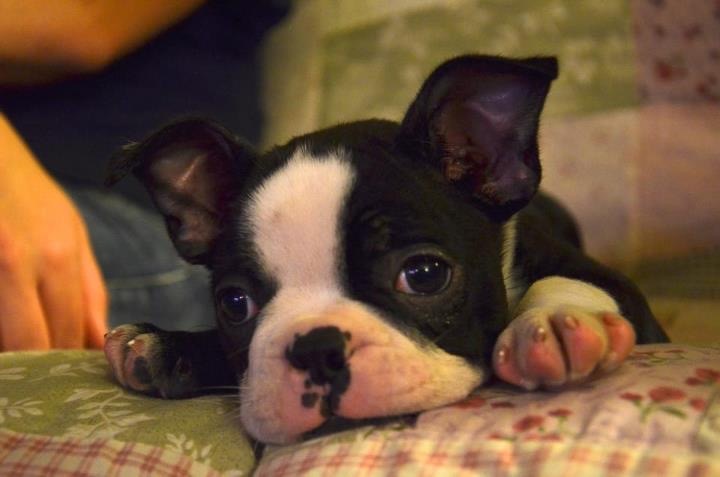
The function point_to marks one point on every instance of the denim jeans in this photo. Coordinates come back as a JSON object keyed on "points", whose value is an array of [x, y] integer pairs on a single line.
{"points": [[145, 278]]}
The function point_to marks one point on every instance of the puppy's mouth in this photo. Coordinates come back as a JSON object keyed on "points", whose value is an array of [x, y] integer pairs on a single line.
{"points": [[335, 424]]}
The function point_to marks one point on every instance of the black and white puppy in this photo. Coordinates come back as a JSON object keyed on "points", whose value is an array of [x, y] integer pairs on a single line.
{"points": [[376, 269]]}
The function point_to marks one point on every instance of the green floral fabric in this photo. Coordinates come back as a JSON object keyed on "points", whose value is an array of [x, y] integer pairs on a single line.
{"points": [[70, 394]]}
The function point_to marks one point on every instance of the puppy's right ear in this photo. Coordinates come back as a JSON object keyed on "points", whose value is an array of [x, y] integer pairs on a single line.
{"points": [[192, 169], [476, 119]]}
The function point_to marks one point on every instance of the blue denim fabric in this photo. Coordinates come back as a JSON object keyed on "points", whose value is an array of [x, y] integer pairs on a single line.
{"points": [[146, 279]]}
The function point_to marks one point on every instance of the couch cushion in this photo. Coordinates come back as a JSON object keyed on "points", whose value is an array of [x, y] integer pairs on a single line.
{"points": [[61, 414], [657, 415]]}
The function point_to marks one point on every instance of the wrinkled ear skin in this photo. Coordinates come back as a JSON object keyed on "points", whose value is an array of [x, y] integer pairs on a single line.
{"points": [[192, 169], [476, 119]]}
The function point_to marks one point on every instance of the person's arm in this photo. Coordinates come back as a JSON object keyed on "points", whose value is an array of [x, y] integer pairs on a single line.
{"points": [[43, 41], [52, 294]]}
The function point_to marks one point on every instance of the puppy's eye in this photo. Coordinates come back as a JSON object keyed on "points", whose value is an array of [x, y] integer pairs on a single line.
{"points": [[423, 275], [237, 305]]}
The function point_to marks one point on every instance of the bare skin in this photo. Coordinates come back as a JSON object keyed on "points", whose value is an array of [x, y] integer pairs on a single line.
{"points": [[46, 41], [52, 294]]}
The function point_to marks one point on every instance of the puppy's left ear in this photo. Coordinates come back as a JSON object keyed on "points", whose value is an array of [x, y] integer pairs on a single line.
{"points": [[476, 118], [193, 170]]}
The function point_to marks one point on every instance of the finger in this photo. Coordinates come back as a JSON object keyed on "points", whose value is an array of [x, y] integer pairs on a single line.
{"points": [[61, 296], [94, 299], [22, 324]]}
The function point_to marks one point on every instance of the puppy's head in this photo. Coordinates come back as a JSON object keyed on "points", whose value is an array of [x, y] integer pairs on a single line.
{"points": [[359, 271]]}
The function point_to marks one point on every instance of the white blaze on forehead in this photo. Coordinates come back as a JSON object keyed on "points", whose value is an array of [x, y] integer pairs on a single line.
{"points": [[294, 218]]}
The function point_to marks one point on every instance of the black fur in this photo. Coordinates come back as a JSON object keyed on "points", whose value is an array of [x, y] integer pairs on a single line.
{"points": [[444, 180]]}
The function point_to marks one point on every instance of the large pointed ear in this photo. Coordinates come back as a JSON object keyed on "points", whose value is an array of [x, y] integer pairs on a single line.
{"points": [[192, 169], [476, 118]]}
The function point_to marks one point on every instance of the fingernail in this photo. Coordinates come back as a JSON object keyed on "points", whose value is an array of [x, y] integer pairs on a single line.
{"points": [[571, 322], [131, 342], [540, 334], [501, 356]]}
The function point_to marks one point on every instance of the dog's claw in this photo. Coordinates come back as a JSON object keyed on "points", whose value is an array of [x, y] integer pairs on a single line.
{"points": [[140, 360], [540, 334], [501, 355], [570, 322]]}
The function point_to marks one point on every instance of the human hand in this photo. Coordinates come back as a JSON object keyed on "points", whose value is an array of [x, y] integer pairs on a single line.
{"points": [[52, 294]]}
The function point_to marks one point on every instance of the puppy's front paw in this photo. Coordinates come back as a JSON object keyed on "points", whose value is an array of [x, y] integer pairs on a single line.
{"points": [[551, 348], [143, 358]]}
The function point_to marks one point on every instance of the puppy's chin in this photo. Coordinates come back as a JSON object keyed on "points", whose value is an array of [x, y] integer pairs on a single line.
{"points": [[286, 418], [388, 374], [337, 424]]}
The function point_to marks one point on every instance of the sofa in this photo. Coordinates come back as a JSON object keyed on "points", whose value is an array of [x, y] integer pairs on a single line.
{"points": [[629, 142]]}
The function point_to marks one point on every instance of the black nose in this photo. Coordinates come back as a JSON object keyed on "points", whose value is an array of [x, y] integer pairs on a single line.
{"points": [[320, 352]]}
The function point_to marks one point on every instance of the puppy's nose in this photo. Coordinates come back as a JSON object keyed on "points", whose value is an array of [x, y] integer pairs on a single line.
{"points": [[320, 352]]}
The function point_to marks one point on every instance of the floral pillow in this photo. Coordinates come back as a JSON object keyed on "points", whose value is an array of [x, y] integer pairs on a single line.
{"points": [[657, 415], [61, 414]]}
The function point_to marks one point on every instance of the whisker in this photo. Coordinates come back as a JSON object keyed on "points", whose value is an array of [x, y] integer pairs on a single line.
{"points": [[238, 350], [444, 333], [214, 391], [233, 387], [198, 328]]}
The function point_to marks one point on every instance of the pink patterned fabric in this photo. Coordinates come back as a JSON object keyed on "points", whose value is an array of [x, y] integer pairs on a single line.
{"points": [[658, 415], [473, 459], [678, 49], [28, 455]]}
